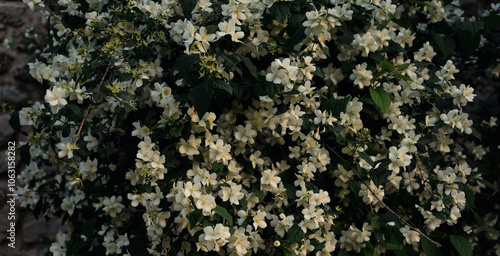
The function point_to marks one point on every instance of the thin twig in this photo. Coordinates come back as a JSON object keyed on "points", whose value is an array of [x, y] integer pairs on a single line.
{"points": [[387, 207], [90, 105], [393, 212], [422, 175]]}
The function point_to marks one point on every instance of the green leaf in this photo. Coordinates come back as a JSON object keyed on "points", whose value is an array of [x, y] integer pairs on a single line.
{"points": [[367, 158], [476, 133], [125, 77], [489, 230], [491, 21], [88, 227], [395, 47], [256, 190], [462, 245], [75, 109], [469, 195], [478, 219], [98, 96], [212, 29], [445, 44], [430, 249], [251, 67], [387, 66], [184, 64], [231, 64], [336, 106], [194, 217], [403, 77], [487, 183], [294, 234], [14, 121], [224, 214], [280, 11], [381, 98], [221, 84], [188, 7], [267, 88], [474, 27], [388, 217], [375, 222], [177, 131], [343, 253], [202, 96]]}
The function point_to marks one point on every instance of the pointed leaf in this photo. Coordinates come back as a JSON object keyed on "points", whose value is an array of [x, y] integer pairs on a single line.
{"points": [[224, 214], [381, 98], [462, 245]]}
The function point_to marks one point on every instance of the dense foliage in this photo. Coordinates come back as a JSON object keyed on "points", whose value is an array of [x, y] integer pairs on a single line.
{"points": [[263, 127]]}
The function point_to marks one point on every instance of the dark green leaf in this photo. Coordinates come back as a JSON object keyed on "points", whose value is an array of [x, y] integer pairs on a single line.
{"points": [[474, 26], [469, 195], [194, 217], [468, 42], [395, 48], [296, 38], [280, 11], [478, 219], [403, 77], [294, 234], [98, 96], [14, 121], [336, 106], [231, 64], [487, 183], [256, 190], [402, 67], [125, 77], [224, 214], [489, 230], [238, 90], [24, 151], [296, 19], [251, 67], [185, 64], [177, 131], [430, 249], [381, 98], [343, 253], [211, 29], [367, 158], [375, 222], [221, 84], [388, 217], [202, 96], [491, 21], [476, 133], [445, 44], [387, 66], [88, 227], [462, 245], [188, 7], [75, 109]]}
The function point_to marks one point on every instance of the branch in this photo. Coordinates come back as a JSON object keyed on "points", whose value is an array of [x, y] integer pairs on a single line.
{"points": [[387, 207], [90, 105], [393, 212]]}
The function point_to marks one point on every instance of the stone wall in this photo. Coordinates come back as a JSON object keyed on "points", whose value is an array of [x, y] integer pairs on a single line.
{"points": [[15, 85]]}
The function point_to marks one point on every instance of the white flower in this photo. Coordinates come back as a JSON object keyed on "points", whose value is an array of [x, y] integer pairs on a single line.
{"points": [[56, 98], [189, 147]]}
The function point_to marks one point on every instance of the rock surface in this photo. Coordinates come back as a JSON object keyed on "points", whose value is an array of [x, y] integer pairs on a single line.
{"points": [[16, 85]]}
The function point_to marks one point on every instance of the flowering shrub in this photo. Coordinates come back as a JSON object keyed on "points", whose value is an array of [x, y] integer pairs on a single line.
{"points": [[244, 127]]}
